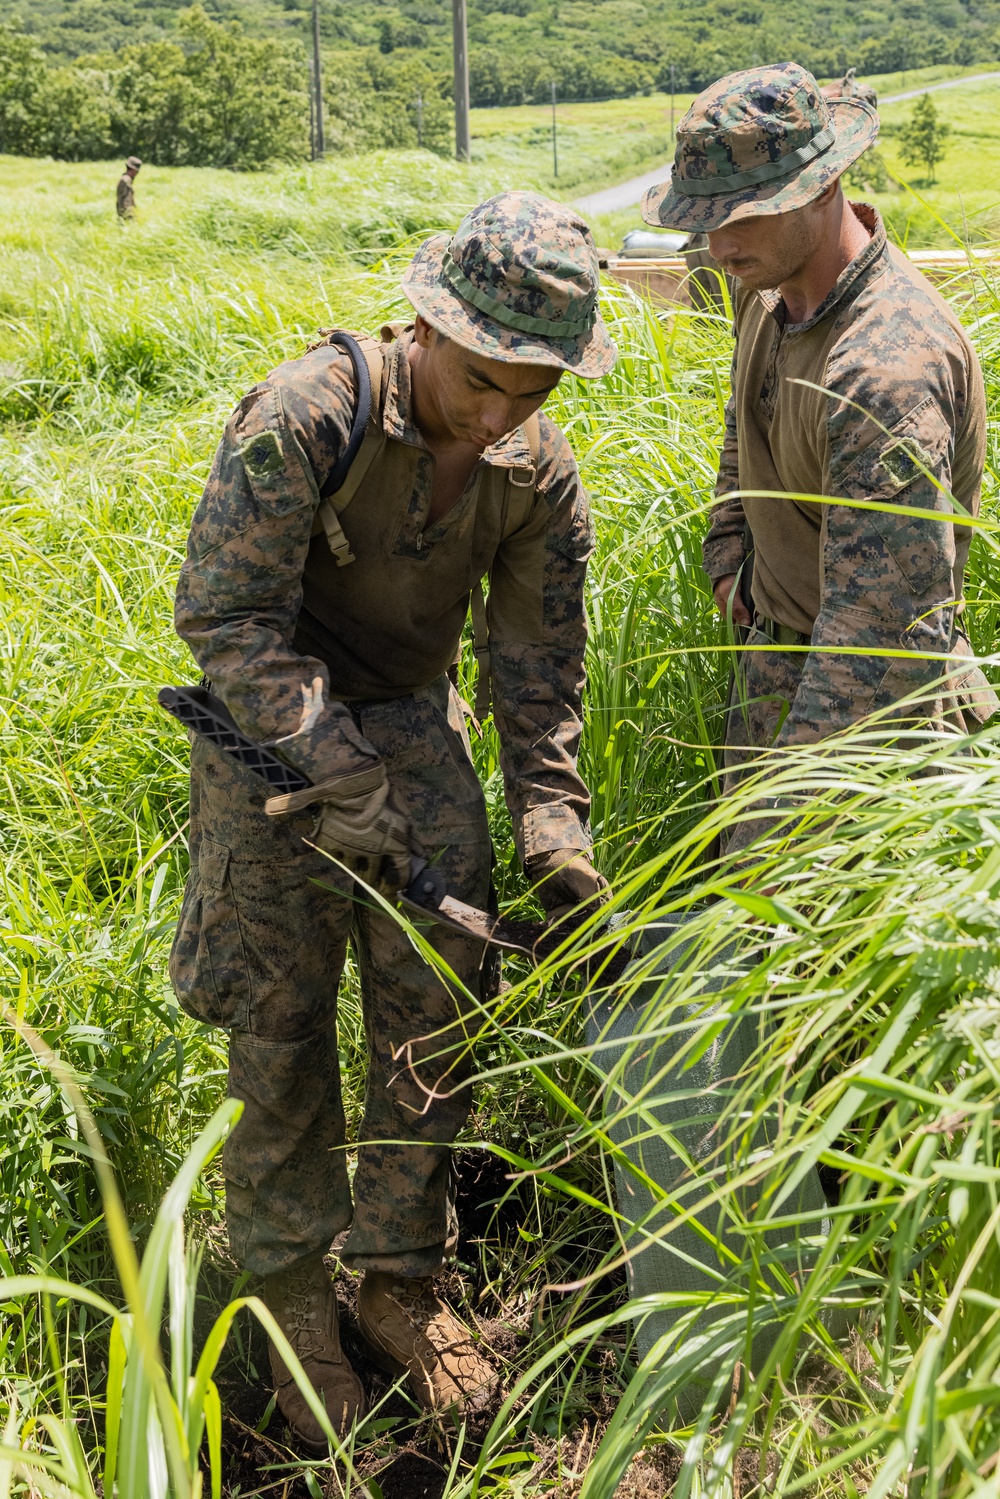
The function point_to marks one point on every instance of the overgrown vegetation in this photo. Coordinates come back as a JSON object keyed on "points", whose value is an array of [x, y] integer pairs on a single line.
{"points": [[591, 49], [873, 1006], [210, 96]]}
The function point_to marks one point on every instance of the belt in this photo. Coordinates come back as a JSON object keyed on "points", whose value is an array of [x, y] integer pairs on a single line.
{"points": [[780, 634]]}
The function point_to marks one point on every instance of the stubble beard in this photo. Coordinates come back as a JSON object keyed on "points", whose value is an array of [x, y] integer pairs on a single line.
{"points": [[788, 257]]}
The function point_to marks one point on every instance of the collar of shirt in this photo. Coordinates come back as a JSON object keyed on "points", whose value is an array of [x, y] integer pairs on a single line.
{"points": [[511, 451], [851, 281]]}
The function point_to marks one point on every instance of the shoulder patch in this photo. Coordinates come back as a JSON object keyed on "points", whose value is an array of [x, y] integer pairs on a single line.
{"points": [[262, 455], [904, 460]]}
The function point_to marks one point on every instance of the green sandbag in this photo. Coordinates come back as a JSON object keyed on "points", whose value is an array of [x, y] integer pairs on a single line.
{"points": [[672, 1122]]}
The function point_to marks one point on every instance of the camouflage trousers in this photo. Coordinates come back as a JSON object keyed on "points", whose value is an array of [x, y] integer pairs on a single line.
{"points": [[764, 688], [766, 682], [260, 949]]}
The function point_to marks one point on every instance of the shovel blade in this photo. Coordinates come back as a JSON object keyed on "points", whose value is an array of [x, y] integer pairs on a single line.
{"points": [[525, 937]]}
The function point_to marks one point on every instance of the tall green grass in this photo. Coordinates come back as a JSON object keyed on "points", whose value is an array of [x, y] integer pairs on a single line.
{"points": [[876, 997]]}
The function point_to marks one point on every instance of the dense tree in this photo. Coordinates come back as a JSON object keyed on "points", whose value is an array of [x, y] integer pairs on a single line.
{"points": [[24, 110], [373, 100], [178, 86], [214, 97], [923, 138]]}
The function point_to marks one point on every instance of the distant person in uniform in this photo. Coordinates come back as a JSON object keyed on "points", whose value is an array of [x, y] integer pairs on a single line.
{"points": [[848, 87], [706, 278], [126, 197]]}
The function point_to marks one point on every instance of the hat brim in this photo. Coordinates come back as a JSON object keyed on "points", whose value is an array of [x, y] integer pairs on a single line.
{"points": [[427, 287], [669, 207]]}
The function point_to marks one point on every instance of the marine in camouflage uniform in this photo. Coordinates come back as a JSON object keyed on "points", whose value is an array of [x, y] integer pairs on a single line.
{"points": [[125, 197], [330, 637], [875, 394], [705, 279], [849, 87]]}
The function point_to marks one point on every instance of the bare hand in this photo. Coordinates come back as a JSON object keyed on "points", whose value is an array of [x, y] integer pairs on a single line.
{"points": [[721, 593]]}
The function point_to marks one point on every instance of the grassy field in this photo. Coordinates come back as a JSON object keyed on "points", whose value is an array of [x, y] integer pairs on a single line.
{"points": [[608, 142], [597, 143], [872, 1011]]}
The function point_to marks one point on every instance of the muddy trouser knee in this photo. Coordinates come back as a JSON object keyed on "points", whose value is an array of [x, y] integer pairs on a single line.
{"points": [[260, 949], [418, 1023]]}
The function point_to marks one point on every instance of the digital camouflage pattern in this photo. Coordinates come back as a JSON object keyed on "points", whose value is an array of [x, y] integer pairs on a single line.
{"points": [[260, 946], [763, 141], [879, 396], [518, 280], [260, 949], [392, 620], [849, 87]]}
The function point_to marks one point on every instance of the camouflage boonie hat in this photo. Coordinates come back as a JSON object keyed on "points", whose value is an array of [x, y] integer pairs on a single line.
{"points": [[133, 161], [518, 281], [763, 141]]}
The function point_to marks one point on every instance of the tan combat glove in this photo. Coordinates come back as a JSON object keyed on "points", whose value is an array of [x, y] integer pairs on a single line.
{"points": [[566, 879], [361, 823]]}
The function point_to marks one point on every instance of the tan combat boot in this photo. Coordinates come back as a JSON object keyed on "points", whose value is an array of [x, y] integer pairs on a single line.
{"points": [[304, 1305], [410, 1330]]}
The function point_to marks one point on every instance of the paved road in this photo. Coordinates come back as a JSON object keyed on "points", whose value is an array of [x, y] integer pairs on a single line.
{"points": [[609, 199], [932, 88], [625, 194]]}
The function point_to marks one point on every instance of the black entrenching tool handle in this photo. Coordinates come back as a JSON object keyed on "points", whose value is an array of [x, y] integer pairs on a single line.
{"points": [[199, 710], [196, 708]]}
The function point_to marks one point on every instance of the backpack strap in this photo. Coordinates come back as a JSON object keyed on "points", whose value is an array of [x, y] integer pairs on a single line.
{"points": [[519, 497], [364, 444], [520, 492]]}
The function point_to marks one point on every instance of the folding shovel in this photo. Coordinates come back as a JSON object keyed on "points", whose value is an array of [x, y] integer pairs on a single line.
{"points": [[425, 895]]}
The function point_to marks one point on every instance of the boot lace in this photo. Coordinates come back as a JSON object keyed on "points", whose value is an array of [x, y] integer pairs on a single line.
{"points": [[427, 1313], [302, 1304]]}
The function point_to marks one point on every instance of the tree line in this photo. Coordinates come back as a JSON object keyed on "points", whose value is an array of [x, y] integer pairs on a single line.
{"points": [[185, 87], [211, 96]]}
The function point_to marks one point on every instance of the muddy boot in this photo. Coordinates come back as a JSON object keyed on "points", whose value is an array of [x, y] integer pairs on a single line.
{"points": [[411, 1330], [304, 1305]]}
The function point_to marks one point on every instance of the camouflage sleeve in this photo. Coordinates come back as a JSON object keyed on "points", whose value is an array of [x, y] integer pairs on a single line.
{"points": [[722, 549], [240, 587], [888, 579], [538, 635]]}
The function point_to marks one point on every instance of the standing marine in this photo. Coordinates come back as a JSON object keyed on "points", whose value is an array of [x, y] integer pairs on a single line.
{"points": [[852, 379], [849, 87], [327, 613], [126, 196]]}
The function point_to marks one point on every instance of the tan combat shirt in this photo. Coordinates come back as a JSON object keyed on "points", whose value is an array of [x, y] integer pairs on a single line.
{"points": [[390, 621], [878, 389]]}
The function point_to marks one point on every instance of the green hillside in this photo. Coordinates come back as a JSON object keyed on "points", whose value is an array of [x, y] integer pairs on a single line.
{"points": [[593, 48]]}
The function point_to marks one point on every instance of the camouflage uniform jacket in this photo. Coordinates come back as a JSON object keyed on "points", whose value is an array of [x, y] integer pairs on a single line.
{"points": [[393, 618], [892, 392], [126, 197]]}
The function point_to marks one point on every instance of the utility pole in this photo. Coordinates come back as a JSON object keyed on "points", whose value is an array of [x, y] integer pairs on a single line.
{"points": [[312, 114], [555, 152], [420, 120], [319, 143], [672, 136], [460, 49]]}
